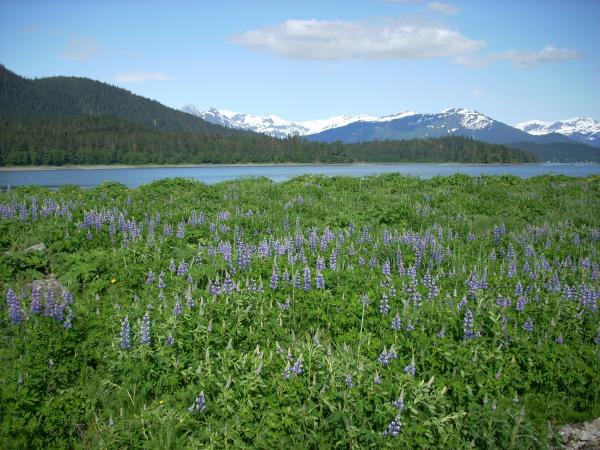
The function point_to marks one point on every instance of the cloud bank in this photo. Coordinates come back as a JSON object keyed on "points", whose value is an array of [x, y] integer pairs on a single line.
{"points": [[340, 40], [137, 77], [521, 59]]}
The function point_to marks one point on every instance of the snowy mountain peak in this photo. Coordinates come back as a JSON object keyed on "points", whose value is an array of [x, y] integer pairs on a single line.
{"points": [[277, 127], [582, 129], [471, 119]]}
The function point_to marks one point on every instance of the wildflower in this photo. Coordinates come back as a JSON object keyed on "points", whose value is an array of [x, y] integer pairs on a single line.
{"points": [[319, 280], [177, 308], [384, 307], [199, 405], [307, 279], [399, 403], [125, 334], [145, 330], [183, 268], [169, 340], [468, 332], [411, 369], [364, 300], [394, 427], [528, 325], [396, 322], [348, 381], [14, 307], [113, 281], [36, 305], [274, 277]]}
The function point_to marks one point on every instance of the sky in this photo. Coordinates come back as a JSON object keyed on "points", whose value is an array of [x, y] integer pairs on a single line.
{"points": [[303, 60]]}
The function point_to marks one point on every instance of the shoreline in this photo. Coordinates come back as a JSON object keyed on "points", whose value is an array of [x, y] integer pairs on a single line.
{"points": [[207, 166]]}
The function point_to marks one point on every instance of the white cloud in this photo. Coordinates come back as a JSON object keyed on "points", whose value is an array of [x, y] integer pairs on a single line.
{"points": [[443, 8], [81, 48], [136, 77], [476, 92], [338, 40], [521, 59]]}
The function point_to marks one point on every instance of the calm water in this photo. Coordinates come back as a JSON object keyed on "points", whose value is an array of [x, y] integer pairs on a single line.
{"points": [[214, 174]]}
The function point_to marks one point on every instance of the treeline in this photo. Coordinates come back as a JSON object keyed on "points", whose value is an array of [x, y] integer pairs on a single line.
{"points": [[560, 151], [108, 140]]}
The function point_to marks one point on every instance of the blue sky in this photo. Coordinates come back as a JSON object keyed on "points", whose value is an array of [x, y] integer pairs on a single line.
{"points": [[301, 60]]}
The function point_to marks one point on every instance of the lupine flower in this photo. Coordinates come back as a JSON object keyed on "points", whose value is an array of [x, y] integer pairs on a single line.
{"points": [[274, 277], [14, 307], [307, 279], [145, 330], [125, 334], [396, 322], [169, 340], [172, 266], [528, 325], [410, 369], [385, 357], [183, 268], [49, 303], [468, 332], [521, 303], [199, 405], [150, 277], [387, 269], [36, 305], [319, 280], [384, 307], [364, 300], [559, 340], [177, 308], [181, 230], [320, 263], [161, 282], [399, 403], [333, 260], [348, 381], [394, 427], [285, 306]]}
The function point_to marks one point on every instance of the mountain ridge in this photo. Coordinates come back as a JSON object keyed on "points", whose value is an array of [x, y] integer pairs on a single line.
{"points": [[346, 128]]}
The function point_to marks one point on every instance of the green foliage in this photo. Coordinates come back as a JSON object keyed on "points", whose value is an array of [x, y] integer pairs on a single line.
{"points": [[75, 387]]}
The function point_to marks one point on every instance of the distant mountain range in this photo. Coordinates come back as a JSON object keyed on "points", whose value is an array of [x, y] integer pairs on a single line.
{"points": [[410, 125], [580, 129]]}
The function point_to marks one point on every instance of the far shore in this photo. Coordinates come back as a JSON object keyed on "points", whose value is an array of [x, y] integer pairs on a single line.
{"points": [[180, 166]]}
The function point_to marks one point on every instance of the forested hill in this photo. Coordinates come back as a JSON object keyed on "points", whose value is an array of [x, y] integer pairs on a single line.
{"points": [[66, 120], [58, 98]]}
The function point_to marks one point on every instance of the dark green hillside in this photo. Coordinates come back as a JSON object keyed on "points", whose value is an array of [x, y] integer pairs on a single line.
{"points": [[59, 98]]}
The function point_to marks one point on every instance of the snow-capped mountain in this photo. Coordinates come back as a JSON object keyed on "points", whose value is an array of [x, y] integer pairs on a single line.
{"points": [[408, 125], [453, 121], [278, 127], [580, 129]]}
